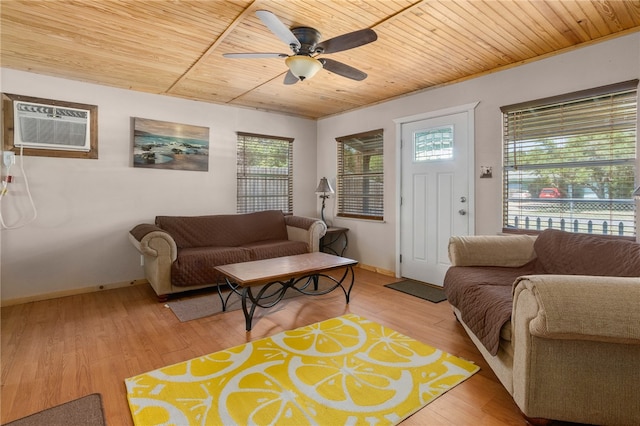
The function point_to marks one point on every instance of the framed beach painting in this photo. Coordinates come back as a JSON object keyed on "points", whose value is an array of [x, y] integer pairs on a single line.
{"points": [[166, 145]]}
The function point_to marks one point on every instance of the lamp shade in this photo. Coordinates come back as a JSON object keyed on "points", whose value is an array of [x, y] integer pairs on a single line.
{"points": [[324, 186], [303, 66]]}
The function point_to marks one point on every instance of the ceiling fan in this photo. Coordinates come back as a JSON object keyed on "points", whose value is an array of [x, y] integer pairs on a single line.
{"points": [[305, 44]]}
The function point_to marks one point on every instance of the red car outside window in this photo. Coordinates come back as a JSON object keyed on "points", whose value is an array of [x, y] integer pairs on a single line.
{"points": [[550, 193]]}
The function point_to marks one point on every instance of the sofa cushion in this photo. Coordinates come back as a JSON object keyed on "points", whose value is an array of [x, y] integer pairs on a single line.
{"points": [[491, 250], [483, 295], [195, 266], [566, 253], [270, 249], [224, 230]]}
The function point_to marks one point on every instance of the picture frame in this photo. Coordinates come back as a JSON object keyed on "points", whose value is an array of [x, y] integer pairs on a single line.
{"points": [[167, 145]]}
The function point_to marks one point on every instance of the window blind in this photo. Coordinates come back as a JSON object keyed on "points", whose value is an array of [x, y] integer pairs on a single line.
{"points": [[569, 162], [264, 173], [360, 180]]}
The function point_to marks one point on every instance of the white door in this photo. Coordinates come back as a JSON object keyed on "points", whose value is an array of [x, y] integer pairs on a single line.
{"points": [[435, 191]]}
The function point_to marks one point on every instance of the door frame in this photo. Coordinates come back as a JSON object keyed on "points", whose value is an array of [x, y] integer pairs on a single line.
{"points": [[470, 110]]}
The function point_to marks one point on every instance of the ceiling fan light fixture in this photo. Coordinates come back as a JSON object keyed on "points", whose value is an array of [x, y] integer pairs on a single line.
{"points": [[303, 66]]}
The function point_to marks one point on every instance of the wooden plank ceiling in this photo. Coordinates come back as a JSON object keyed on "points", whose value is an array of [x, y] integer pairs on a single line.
{"points": [[175, 47]]}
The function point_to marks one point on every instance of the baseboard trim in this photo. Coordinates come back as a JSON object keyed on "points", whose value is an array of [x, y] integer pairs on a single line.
{"points": [[377, 270], [72, 292], [102, 287]]}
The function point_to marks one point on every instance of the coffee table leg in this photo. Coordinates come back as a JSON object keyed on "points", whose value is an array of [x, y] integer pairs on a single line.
{"points": [[341, 282], [247, 319], [347, 293], [233, 289], [222, 301], [248, 314], [246, 292]]}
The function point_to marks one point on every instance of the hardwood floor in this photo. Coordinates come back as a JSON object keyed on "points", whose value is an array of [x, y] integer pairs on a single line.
{"points": [[57, 350]]}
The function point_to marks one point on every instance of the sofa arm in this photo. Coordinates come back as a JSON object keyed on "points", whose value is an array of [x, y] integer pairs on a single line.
{"points": [[306, 229], [576, 345], [150, 240], [160, 251], [491, 250], [579, 307]]}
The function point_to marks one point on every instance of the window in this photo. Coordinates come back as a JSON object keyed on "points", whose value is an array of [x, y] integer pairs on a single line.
{"points": [[265, 173], [433, 144], [569, 162], [360, 176]]}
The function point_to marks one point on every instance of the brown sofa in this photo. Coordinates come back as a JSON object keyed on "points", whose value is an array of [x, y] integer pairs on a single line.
{"points": [[181, 252], [557, 318]]}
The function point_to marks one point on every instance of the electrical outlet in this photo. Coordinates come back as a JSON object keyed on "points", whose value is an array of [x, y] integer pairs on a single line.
{"points": [[8, 158]]}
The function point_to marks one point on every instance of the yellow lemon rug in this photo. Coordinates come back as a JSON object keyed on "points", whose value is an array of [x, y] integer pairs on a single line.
{"points": [[342, 371]]}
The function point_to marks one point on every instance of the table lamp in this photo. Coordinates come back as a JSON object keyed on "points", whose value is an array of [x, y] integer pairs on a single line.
{"points": [[325, 189]]}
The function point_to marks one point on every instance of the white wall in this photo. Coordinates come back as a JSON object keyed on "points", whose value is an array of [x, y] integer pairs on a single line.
{"points": [[86, 207], [374, 243]]}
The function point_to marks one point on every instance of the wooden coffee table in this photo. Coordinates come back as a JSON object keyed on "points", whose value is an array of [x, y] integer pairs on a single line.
{"points": [[300, 272]]}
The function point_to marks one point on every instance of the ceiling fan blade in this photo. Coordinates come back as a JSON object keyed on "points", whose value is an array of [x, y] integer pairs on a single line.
{"points": [[289, 78], [348, 41], [278, 28], [342, 69], [255, 55]]}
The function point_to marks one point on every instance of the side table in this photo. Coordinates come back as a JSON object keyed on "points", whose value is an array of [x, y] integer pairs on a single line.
{"points": [[335, 241]]}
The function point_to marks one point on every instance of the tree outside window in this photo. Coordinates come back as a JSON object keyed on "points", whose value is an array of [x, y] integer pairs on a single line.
{"points": [[360, 180], [569, 162], [264, 173]]}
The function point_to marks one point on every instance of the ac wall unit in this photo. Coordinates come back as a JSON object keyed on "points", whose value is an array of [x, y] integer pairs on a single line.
{"points": [[44, 126]]}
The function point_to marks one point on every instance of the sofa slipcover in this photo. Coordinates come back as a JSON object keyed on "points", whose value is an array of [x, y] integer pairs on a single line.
{"points": [[556, 317], [181, 252]]}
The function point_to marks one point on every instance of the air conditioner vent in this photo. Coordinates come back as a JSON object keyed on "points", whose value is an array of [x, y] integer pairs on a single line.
{"points": [[51, 127]]}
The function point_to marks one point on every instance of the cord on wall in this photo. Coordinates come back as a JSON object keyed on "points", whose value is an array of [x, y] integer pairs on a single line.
{"points": [[9, 160]]}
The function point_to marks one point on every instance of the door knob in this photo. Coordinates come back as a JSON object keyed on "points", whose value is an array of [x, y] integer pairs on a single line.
{"points": [[463, 199], [462, 212]]}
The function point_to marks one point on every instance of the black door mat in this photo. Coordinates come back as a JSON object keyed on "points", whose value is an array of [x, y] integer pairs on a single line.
{"points": [[421, 290]]}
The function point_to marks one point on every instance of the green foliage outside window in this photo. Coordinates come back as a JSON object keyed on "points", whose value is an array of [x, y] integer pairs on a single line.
{"points": [[570, 162]]}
